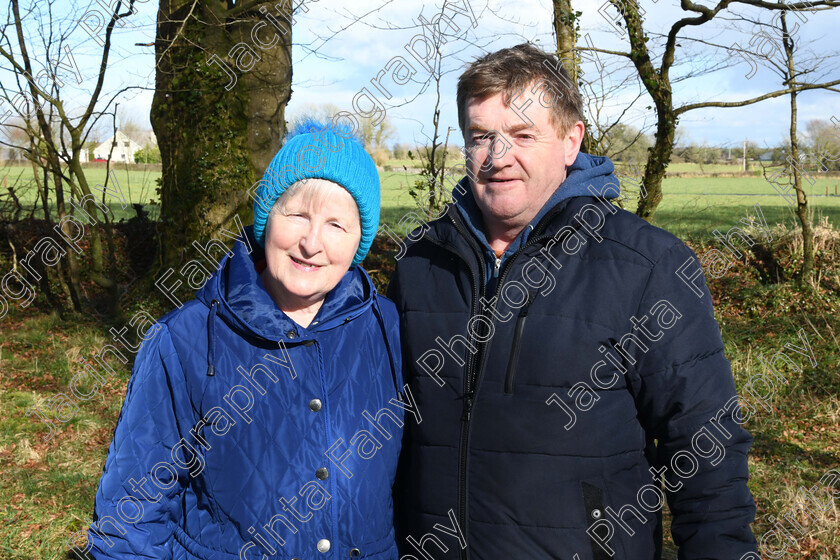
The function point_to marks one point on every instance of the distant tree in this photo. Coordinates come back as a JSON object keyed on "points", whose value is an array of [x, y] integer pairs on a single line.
{"points": [[623, 142], [375, 138], [823, 144], [779, 153], [754, 150], [400, 151], [129, 125], [454, 154], [147, 154]]}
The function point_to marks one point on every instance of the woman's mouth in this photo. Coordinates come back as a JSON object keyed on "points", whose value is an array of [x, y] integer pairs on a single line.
{"points": [[304, 265]]}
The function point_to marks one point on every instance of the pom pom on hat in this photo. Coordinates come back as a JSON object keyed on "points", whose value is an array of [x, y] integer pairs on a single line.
{"points": [[314, 150]]}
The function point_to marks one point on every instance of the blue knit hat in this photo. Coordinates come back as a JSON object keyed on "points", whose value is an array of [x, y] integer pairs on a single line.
{"points": [[314, 150]]}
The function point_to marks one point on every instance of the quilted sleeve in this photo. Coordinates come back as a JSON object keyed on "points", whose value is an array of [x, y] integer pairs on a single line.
{"points": [[684, 390], [392, 321], [149, 460]]}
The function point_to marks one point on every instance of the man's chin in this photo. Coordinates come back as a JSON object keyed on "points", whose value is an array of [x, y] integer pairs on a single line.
{"points": [[501, 187], [501, 208], [505, 218]]}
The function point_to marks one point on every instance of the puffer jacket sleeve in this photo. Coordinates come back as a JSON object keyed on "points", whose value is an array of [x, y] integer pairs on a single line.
{"points": [[149, 460], [684, 389]]}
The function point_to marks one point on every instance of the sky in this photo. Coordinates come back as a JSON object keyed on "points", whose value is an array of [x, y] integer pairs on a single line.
{"points": [[339, 49]]}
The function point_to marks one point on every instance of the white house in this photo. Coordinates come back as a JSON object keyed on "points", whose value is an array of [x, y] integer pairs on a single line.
{"points": [[124, 148]]}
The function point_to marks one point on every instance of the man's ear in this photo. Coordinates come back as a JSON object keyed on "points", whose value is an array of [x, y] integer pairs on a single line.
{"points": [[572, 142]]}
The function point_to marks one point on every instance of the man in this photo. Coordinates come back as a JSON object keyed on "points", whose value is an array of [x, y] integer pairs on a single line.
{"points": [[563, 352]]}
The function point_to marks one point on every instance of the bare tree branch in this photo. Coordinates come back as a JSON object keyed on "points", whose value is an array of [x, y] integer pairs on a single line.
{"points": [[803, 87]]}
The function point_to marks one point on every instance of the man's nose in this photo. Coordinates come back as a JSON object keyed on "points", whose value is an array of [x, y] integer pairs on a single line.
{"points": [[499, 153]]}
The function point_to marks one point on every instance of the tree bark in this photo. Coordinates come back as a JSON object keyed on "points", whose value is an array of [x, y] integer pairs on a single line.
{"points": [[658, 85], [566, 31], [806, 272], [216, 142]]}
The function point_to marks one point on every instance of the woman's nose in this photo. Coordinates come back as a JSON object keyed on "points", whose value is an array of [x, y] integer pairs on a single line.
{"points": [[311, 241]]}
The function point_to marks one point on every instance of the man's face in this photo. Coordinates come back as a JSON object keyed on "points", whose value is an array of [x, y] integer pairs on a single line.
{"points": [[516, 165]]}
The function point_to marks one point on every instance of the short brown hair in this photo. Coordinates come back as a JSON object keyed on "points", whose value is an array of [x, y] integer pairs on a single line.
{"points": [[510, 70]]}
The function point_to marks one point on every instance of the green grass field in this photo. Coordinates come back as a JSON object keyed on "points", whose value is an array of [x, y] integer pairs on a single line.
{"points": [[691, 206], [47, 491], [137, 183]]}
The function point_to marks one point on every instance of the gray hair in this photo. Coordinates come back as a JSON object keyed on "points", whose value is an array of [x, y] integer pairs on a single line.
{"points": [[313, 190]]}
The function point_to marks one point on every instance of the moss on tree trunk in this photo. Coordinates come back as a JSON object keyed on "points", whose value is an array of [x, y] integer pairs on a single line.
{"points": [[214, 142]]}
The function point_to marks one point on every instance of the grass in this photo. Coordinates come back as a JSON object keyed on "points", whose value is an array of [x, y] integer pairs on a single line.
{"points": [[48, 488], [691, 206], [797, 442], [138, 183]]}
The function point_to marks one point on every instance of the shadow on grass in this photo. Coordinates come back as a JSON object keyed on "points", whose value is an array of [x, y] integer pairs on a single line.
{"points": [[773, 450], [699, 221]]}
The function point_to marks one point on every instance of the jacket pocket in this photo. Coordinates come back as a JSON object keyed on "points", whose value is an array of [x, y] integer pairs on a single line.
{"points": [[513, 360], [196, 550], [593, 505]]}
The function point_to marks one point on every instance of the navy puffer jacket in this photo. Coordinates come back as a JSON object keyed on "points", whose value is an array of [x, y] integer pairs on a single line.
{"points": [[244, 435], [553, 393]]}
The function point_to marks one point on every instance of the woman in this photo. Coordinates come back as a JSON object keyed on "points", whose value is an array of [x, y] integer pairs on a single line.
{"points": [[263, 419]]}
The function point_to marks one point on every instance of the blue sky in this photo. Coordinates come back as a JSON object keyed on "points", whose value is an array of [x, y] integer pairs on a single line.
{"points": [[338, 49]]}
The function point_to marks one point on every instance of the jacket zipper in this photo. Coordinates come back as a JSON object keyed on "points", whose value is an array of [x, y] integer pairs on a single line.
{"points": [[469, 391], [474, 366], [517, 339]]}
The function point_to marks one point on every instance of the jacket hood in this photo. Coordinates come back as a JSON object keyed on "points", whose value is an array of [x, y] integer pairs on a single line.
{"points": [[243, 302], [588, 176]]}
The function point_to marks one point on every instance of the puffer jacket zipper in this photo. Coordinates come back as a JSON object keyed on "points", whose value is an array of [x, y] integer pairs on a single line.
{"points": [[469, 391], [475, 366], [510, 374]]}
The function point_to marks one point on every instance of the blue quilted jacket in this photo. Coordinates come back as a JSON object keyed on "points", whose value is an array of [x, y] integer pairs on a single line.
{"points": [[244, 435]]}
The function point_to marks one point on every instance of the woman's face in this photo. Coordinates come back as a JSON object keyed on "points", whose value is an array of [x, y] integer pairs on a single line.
{"points": [[309, 246]]}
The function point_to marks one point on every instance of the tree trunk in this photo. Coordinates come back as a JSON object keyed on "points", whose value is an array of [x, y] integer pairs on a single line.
{"points": [[566, 28], [658, 85], [216, 142], [566, 32], [806, 272], [658, 157]]}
